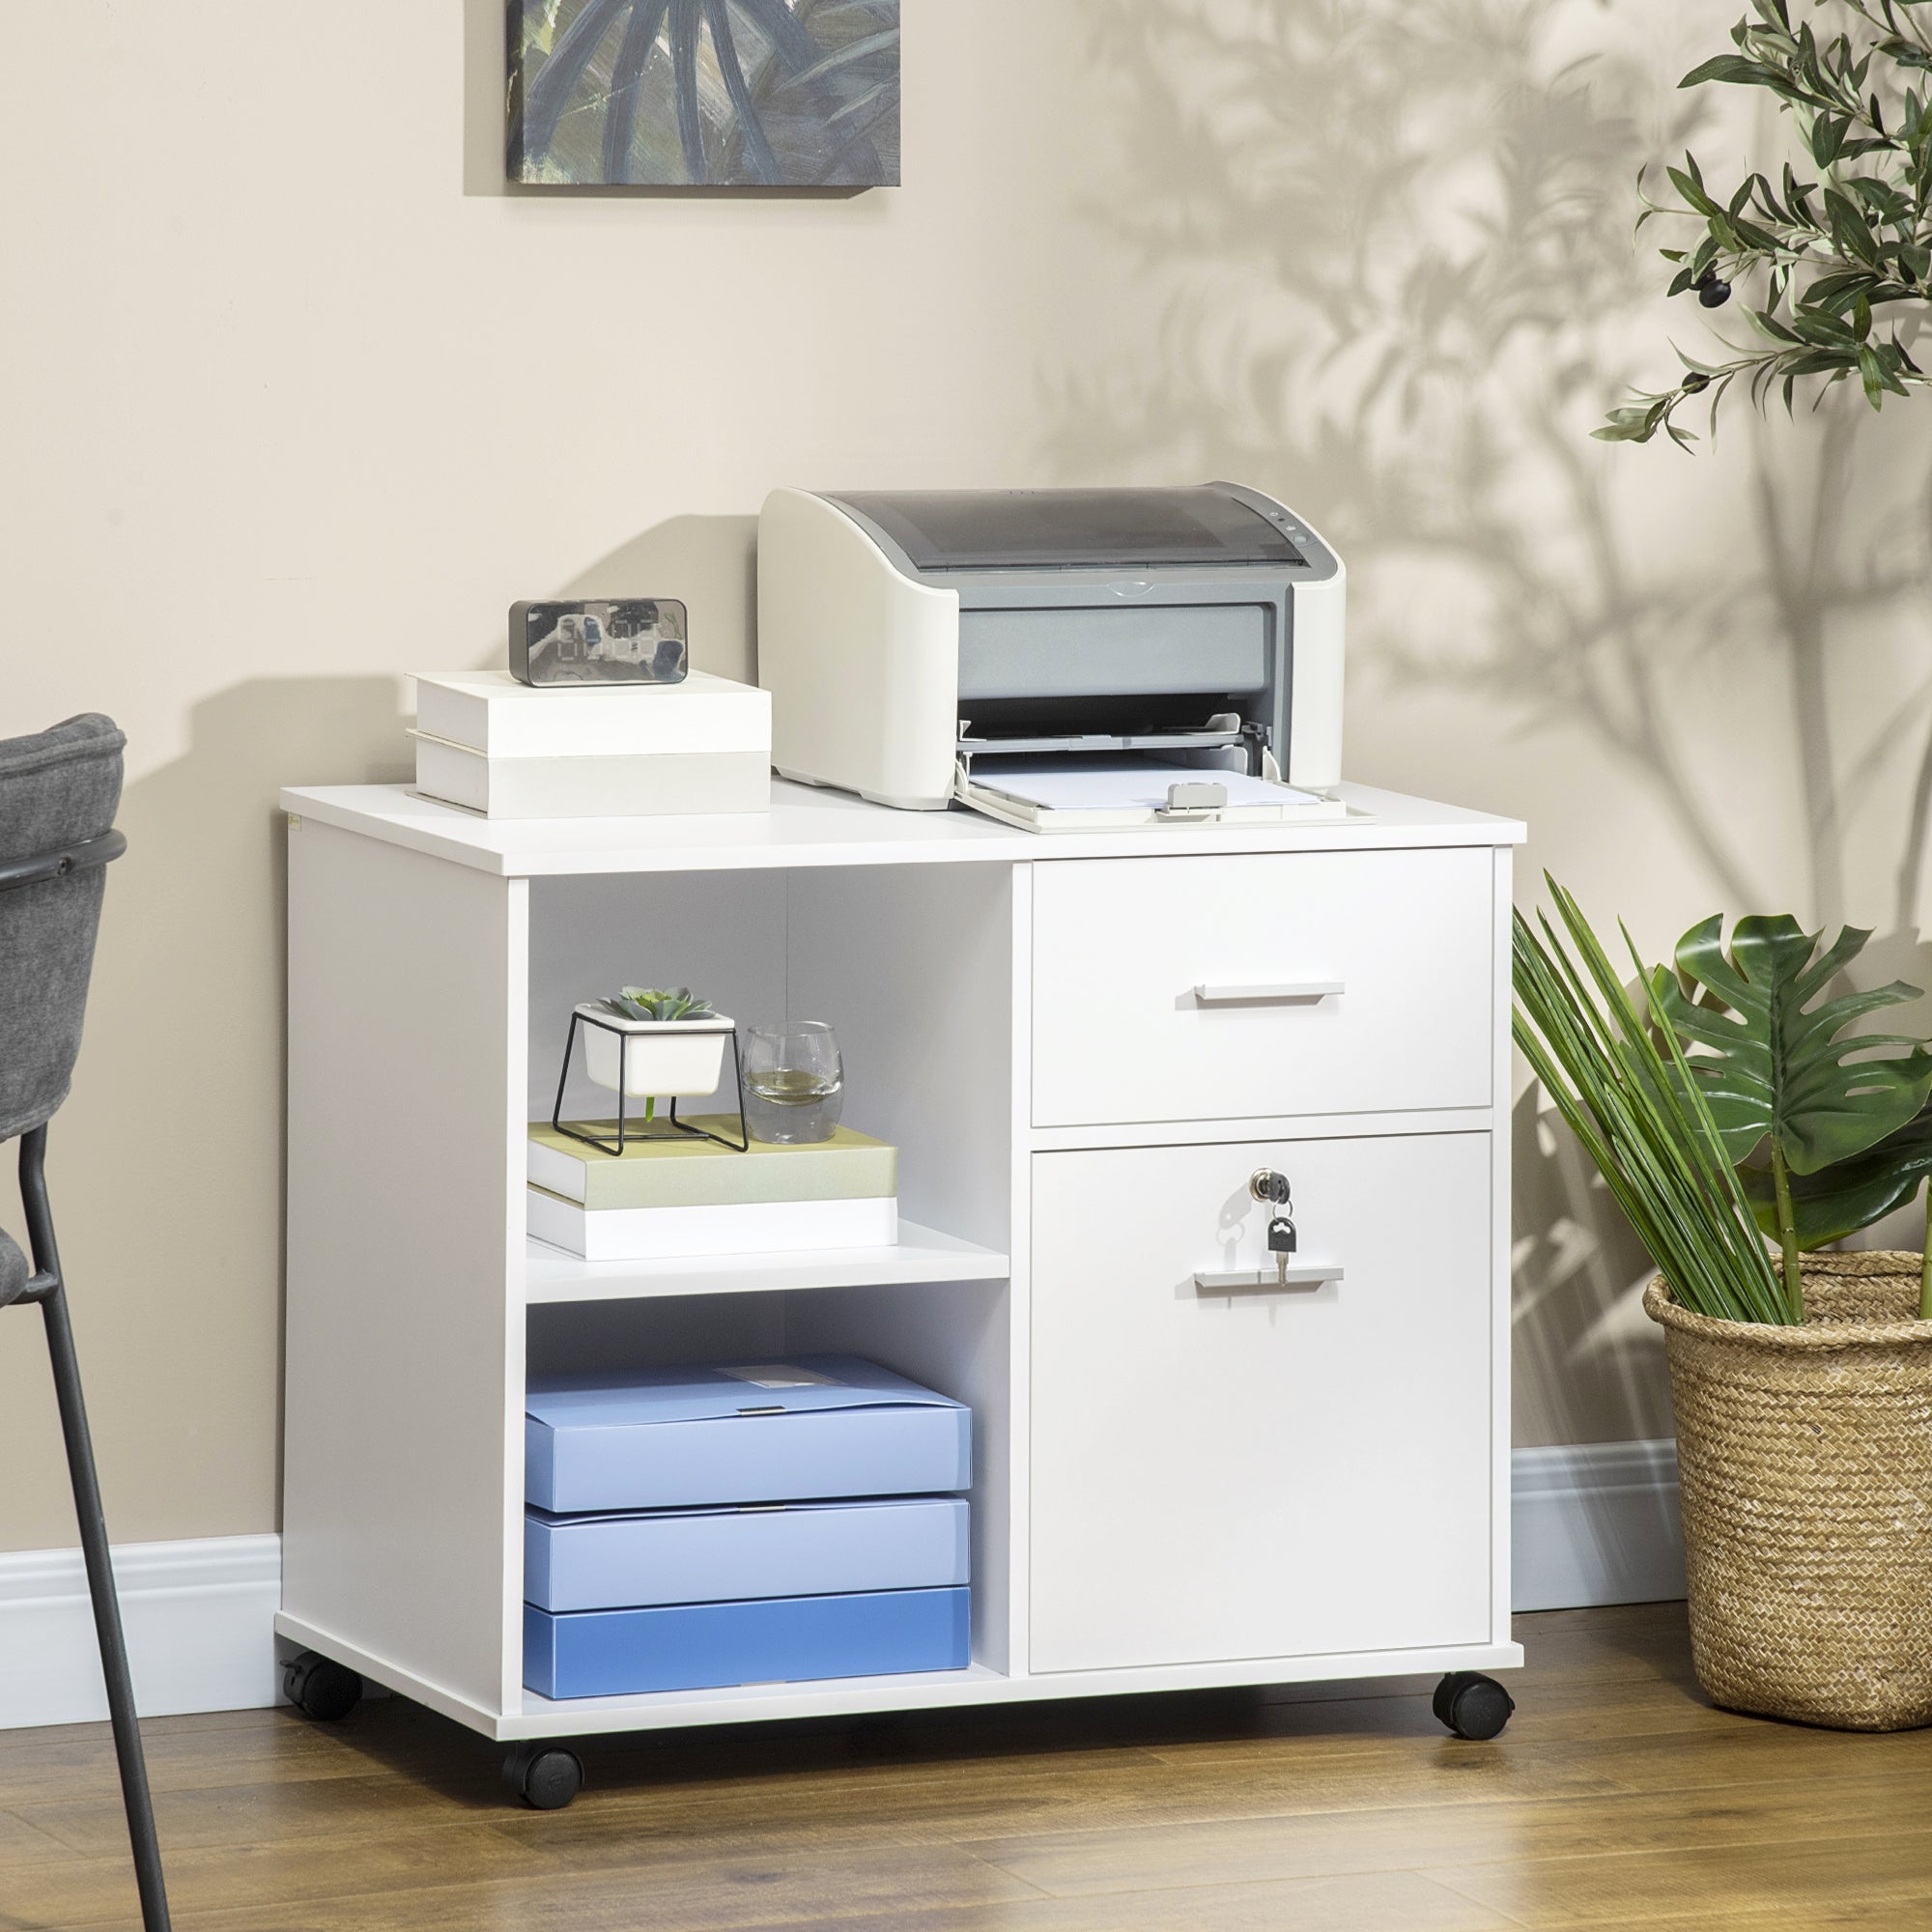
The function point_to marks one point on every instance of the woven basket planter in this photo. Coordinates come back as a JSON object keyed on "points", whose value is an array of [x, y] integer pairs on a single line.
{"points": [[1806, 1457]]}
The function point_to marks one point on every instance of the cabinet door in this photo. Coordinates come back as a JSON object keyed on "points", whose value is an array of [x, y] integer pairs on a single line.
{"points": [[1262, 984], [1266, 1473]]}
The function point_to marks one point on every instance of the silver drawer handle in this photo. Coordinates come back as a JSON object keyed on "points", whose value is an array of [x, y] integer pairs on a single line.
{"points": [[1304, 1274], [1271, 994]]}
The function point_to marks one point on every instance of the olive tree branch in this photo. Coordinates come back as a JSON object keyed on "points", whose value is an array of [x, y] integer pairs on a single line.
{"points": [[1820, 257]]}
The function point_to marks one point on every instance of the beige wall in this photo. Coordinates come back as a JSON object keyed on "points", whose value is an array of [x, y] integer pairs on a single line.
{"points": [[295, 399]]}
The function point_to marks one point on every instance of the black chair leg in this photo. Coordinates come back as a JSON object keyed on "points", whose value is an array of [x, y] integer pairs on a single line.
{"points": [[94, 1548]]}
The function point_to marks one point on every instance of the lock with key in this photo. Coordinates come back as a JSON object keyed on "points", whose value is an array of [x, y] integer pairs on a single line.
{"points": [[1273, 1190]]}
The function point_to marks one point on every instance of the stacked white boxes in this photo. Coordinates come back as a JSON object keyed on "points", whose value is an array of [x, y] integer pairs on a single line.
{"points": [[508, 750]]}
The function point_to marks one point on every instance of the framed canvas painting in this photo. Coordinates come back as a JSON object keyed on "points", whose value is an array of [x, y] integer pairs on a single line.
{"points": [[704, 93]]}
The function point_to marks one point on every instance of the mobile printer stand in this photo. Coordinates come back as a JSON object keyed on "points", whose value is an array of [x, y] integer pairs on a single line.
{"points": [[1195, 1464]]}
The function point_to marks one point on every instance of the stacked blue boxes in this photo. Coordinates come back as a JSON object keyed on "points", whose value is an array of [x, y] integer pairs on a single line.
{"points": [[695, 1527]]}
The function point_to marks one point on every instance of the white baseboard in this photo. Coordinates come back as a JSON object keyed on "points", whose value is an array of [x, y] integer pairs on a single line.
{"points": [[1595, 1523], [199, 1617]]}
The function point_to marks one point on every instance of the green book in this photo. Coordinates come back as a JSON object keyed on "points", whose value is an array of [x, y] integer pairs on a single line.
{"points": [[681, 1173]]}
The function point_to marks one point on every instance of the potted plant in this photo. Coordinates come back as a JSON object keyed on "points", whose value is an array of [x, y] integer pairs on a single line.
{"points": [[1831, 267], [655, 1044], [1724, 1102]]}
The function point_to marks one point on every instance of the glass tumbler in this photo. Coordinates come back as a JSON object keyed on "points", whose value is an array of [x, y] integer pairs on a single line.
{"points": [[794, 1082]]}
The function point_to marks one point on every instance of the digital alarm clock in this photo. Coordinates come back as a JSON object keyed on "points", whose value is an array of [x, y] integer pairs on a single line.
{"points": [[606, 641]]}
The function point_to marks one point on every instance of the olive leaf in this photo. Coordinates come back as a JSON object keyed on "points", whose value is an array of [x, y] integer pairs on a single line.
{"points": [[1772, 1066], [1849, 1194], [1831, 274]]}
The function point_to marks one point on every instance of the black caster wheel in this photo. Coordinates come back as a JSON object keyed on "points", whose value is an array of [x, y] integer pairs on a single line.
{"points": [[544, 1777], [1473, 1706], [319, 1689]]}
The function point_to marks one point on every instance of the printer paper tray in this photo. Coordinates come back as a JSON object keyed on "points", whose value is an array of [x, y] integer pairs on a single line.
{"points": [[1029, 816]]}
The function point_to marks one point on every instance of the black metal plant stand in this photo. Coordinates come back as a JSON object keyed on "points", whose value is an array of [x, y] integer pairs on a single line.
{"points": [[644, 1128]]}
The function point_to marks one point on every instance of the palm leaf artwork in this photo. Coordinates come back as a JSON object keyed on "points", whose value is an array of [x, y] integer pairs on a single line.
{"points": [[704, 93]]}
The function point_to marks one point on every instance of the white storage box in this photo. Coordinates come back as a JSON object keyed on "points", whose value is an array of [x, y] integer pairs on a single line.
{"points": [[495, 746]]}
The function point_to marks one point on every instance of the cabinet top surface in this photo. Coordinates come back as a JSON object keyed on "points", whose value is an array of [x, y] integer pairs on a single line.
{"points": [[806, 826]]}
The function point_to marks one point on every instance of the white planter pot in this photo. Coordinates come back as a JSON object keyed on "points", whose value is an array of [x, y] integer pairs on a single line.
{"points": [[670, 1059]]}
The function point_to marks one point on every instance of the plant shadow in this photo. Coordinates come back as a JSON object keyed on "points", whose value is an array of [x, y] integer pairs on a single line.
{"points": [[1383, 256]]}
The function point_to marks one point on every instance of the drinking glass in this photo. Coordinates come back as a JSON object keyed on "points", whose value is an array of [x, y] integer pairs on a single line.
{"points": [[794, 1082]]}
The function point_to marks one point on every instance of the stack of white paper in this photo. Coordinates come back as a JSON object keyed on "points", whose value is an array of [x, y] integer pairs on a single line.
{"points": [[1093, 794]]}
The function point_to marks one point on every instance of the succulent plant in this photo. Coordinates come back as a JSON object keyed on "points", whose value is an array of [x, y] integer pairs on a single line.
{"points": [[651, 1002]]}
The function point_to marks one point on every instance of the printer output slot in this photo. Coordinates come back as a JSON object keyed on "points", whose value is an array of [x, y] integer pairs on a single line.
{"points": [[1209, 743], [1124, 715], [1147, 741]]}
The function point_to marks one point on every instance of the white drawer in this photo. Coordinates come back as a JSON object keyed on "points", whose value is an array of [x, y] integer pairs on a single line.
{"points": [[1260, 1473], [1201, 988]]}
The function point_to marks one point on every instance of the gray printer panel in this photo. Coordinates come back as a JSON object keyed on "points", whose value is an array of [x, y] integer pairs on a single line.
{"points": [[1140, 651], [940, 536], [1104, 634]]}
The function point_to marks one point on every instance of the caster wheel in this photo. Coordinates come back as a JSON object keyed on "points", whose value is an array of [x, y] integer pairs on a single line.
{"points": [[544, 1777], [319, 1689], [1473, 1706]]}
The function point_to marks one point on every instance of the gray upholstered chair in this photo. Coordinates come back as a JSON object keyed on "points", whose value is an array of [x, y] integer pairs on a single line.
{"points": [[58, 794]]}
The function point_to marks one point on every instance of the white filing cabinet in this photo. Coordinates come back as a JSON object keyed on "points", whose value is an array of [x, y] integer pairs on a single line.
{"points": [[1084, 1046], [1260, 1474]]}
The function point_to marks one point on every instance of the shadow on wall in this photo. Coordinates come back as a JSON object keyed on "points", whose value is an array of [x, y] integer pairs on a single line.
{"points": [[1399, 284], [708, 564], [184, 1024], [1588, 1361], [1387, 253]]}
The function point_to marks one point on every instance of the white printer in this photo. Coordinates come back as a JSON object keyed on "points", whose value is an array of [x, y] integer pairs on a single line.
{"points": [[1005, 647]]}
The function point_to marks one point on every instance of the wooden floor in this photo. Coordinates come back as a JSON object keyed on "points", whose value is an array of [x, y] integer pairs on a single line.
{"points": [[1616, 1799]]}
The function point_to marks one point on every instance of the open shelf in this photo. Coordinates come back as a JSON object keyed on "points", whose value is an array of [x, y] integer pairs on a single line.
{"points": [[919, 1255], [741, 1703]]}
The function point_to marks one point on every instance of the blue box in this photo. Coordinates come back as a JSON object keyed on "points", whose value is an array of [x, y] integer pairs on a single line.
{"points": [[763, 1431], [629, 1560], [779, 1639]]}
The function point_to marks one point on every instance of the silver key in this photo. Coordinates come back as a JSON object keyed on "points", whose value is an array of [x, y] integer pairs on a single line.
{"points": [[1281, 1245]]}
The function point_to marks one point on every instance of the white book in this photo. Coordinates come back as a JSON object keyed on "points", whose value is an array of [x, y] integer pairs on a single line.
{"points": [[646, 786], [742, 1228], [490, 711]]}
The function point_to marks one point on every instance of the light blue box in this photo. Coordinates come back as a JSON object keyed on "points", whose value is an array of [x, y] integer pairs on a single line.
{"points": [[632, 1559], [776, 1640], [784, 1430]]}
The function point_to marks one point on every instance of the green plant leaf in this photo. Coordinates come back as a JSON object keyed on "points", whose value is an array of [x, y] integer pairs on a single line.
{"points": [[1827, 137], [1731, 67], [1640, 1117], [1850, 1194], [1773, 1065], [652, 1003]]}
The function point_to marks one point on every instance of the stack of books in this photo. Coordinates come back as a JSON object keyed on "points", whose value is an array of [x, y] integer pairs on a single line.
{"points": [[488, 743], [671, 1197]]}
